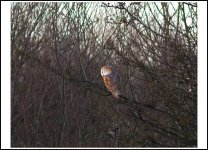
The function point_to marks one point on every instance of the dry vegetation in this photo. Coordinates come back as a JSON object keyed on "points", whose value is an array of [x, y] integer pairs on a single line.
{"points": [[57, 95]]}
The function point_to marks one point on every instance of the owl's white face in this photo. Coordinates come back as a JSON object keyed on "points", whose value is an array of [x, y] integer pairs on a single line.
{"points": [[106, 70]]}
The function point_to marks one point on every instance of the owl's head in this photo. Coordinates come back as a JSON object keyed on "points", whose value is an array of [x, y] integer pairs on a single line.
{"points": [[106, 70]]}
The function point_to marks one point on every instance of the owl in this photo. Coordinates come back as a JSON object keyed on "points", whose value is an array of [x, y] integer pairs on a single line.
{"points": [[111, 80]]}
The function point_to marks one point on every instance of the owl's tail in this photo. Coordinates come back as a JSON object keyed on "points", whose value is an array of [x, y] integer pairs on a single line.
{"points": [[116, 94]]}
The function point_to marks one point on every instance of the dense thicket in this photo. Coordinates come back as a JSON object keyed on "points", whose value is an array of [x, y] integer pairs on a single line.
{"points": [[57, 95]]}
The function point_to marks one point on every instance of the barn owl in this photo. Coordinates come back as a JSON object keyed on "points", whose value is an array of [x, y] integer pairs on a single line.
{"points": [[111, 80]]}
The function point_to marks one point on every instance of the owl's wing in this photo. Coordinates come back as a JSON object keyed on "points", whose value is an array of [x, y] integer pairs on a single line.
{"points": [[112, 86], [108, 83], [112, 82]]}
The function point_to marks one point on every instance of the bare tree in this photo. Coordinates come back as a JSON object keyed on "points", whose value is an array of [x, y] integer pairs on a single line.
{"points": [[58, 98]]}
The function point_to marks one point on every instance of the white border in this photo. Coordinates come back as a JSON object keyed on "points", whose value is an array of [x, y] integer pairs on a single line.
{"points": [[5, 75], [202, 75]]}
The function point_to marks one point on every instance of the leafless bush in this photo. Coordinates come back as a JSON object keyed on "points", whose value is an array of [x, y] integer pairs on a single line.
{"points": [[57, 95]]}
